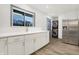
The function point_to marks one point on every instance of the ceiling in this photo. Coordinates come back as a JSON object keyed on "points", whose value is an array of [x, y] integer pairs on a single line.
{"points": [[56, 9]]}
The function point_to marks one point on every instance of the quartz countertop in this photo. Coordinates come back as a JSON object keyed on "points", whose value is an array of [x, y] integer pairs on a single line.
{"points": [[19, 33]]}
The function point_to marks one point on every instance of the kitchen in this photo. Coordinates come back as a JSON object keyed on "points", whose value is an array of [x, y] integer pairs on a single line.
{"points": [[25, 29]]}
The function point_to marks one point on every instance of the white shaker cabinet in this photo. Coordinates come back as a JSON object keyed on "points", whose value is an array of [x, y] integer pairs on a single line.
{"points": [[35, 41], [41, 40], [29, 44], [16, 45], [3, 46], [44, 37], [23, 44]]}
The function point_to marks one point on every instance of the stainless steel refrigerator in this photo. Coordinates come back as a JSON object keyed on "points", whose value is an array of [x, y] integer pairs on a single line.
{"points": [[71, 31]]}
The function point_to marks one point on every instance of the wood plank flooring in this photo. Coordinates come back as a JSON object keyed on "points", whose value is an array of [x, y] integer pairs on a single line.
{"points": [[57, 47]]}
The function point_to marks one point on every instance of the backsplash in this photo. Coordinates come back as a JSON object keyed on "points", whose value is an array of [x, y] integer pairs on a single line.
{"points": [[19, 29]]}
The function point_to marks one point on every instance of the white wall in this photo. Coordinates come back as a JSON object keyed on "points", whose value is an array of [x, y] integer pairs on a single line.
{"points": [[4, 16], [70, 15], [40, 18], [60, 27]]}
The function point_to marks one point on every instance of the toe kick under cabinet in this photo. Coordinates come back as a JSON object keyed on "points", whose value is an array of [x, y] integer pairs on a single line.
{"points": [[23, 44]]}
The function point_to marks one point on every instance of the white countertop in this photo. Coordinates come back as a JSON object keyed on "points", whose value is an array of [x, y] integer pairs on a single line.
{"points": [[18, 33]]}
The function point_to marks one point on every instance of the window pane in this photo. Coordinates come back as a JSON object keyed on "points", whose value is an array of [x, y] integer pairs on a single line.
{"points": [[28, 20], [18, 18]]}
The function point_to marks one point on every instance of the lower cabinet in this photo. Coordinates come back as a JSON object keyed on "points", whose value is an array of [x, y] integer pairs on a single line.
{"points": [[16, 45], [3, 46], [23, 44], [29, 44], [37, 41], [44, 39], [33, 42], [41, 40]]}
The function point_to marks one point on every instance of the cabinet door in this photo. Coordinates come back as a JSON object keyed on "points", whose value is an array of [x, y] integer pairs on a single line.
{"points": [[3, 46], [41, 40], [29, 44], [44, 38], [37, 41], [16, 45]]}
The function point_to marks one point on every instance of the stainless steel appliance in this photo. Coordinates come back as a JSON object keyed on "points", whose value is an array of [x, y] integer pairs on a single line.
{"points": [[71, 31], [55, 28]]}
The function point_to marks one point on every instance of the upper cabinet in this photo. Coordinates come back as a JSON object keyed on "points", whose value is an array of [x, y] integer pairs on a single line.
{"points": [[21, 17]]}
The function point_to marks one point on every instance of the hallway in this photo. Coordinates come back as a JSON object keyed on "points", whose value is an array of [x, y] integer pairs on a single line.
{"points": [[57, 47]]}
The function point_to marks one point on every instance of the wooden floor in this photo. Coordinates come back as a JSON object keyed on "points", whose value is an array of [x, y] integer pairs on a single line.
{"points": [[57, 47]]}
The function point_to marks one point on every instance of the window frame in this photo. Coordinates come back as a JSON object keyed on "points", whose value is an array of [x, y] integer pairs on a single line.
{"points": [[25, 12]]}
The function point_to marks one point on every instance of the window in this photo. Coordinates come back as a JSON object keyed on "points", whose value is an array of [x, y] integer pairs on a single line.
{"points": [[28, 20], [21, 17], [18, 18]]}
